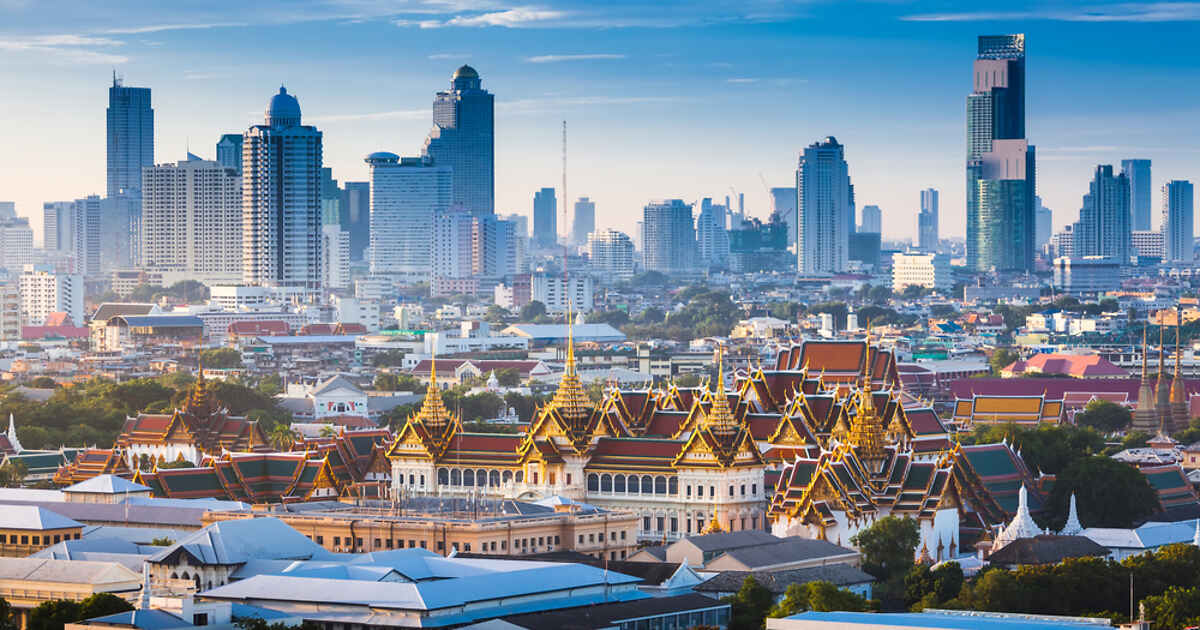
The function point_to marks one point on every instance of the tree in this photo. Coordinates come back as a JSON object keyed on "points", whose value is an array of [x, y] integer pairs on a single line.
{"points": [[53, 615], [101, 604], [532, 311], [282, 437], [749, 606], [888, 546], [931, 588], [221, 358], [913, 291], [388, 358], [651, 315], [12, 475], [508, 377], [1104, 416], [1176, 608], [162, 541], [397, 382], [1002, 358], [820, 596], [43, 382], [257, 623], [1108, 493], [270, 385], [8, 619], [615, 318]]}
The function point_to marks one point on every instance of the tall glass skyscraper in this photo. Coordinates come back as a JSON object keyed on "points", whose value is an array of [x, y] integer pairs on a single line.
{"points": [[130, 137], [825, 209], [545, 218], [1000, 161], [1177, 221], [783, 205], [668, 237], [407, 195], [927, 221], [281, 199], [463, 138], [1103, 227], [584, 222], [1138, 172]]}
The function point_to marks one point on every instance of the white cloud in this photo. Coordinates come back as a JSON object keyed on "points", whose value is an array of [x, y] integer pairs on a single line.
{"points": [[158, 28], [558, 58], [742, 80], [440, 56], [66, 48], [515, 17], [1121, 12]]}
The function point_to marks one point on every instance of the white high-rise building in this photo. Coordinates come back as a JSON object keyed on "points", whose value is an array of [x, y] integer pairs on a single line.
{"points": [[335, 257], [16, 244], [554, 291], [58, 223], [712, 237], [584, 222], [824, 208], [668, 236], [192, 222], [611, 254], [406, 196], [85, 232], [281, 200], [931, 271], [45, 291]]}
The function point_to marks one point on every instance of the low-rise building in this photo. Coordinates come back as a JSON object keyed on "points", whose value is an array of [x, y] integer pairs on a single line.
{"points": [[929, 271], [25, 529]]}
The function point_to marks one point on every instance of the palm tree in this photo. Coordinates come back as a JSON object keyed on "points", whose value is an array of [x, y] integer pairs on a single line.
{"points": [[282, 437], [328, 431]]}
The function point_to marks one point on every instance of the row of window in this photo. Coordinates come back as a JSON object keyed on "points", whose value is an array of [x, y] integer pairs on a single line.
{"points": [[593, 538], [521, 545], [26, 539], [660, 523], [645, 484]]}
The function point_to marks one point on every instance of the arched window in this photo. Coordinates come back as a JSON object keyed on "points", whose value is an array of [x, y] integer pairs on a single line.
{"points": [[468, 477], [174, 575], [647, 485], [455, 477], [593, 484], [619, 483], [508, 476], [673, 486], [186, 576], [606, 483], [660, 485], [520, 476], [494, 478]]}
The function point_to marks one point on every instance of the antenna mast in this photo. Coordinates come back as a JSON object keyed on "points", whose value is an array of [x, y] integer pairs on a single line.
{"points": [[566, 225]]}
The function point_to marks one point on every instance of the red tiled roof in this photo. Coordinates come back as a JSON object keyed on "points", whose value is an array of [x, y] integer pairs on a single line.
{"points": [[42, 332], [1075, 365], [1055, 388], [260, 327]]}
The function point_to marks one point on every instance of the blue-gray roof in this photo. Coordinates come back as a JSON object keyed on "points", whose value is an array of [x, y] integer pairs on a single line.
{"points": [[278, 340], [33, 517], [151, 619], [552, 332], [107, 484], [966, 620], [239, 541]]}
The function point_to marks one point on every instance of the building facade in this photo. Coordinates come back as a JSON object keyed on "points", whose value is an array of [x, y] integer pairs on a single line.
{"points": [[463, 139], [1148, 244], [45, 291], [1000, 162], [16, 244], [783, 205], [192, 221], [668, 237], [611, 254], [584, 221], [229, 152], [825, 209], [712, 237], [556, 292], [281, 199], [872, 220], [928, 270], [130, 121], [1138, 173], [928, 221], [545, 219], [335, 257], [58, 224], [1178, 221], [406, 195], [86, 236], [1103, 228]]}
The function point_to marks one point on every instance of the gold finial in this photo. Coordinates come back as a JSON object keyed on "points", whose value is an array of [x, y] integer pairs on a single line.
{"points": [[719, 418], [1145, 352]]}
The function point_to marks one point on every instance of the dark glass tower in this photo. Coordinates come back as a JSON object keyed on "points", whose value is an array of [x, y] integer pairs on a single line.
{"points": [[1000, 162], [1104, 220], [130, 137], [463, 138]]}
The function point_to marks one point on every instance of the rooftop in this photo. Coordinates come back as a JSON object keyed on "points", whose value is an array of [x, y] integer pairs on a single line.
{"points": [[106, 484], [34, 518], [960, 620]]}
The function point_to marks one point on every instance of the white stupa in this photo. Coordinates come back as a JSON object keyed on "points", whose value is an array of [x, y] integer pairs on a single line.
{"points": [[1022, 525], [1073, 526]]}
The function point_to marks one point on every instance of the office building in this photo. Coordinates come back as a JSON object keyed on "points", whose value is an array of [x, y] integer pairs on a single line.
{"points": [[611, 254], [45, 291], [1087, 275], [8, 210], [356, 216], [783, 205], [545, 219], [1000, 162], [758, 246], [668, 237], [130, 137], [555, 291], [406, 195], [1043, 223], [335, 257], [120, 231], [1178, 221], [86, 235], [10, 312], [1103, 227], [927, 270], [1148, 244], [58, 224], [825, 209], [463, 138], [331, 199], [229, 152], [16, 244], [584, 221], [872, 220], [928, 221], [192, 222], [281, 201], [1138, 173], [1062, 244], [712, 239], [471, 251]]}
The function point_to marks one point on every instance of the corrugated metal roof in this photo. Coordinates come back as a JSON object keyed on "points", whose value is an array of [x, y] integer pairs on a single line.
{"points": [[66, 571], [239, 541], [106, 484], [33, 517]]}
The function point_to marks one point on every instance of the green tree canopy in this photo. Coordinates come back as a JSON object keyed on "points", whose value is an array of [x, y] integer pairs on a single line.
{"points": [[749, 606], [1108, 493], [820, 596], [888, 546], [532, 311], [1104, 416], [53, 614], [101, 604], [1002, 358], [931, 588], [8, 617], [221, 358]]}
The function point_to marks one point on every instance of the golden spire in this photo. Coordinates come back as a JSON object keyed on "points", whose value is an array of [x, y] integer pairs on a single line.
{"points": [[1178, 395], [720, 418], [433, 413], [1145, 352], [866, 431], [868, 400], [1161, 368], [570, 399]]}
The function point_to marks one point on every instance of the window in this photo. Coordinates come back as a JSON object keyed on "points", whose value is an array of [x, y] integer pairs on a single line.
{"points": [[391, 543], [674, 524], [593, 482], [541, 540], [591, 538], [660, 485], [358, 542], [467, 547], [743, 523], [337, 541], [468, 477], [646, 523], [535, 478], [412, 479], [712, 491], [379, 543], [581, 539], [422, 481], [568, 479], [600, 536], [456, 477], [660, 524], [606, 483], [689, 490], [619, 483], [699, 491], [622, 534], [200, 619], [441, 546], [37, 540], [320, 539], [743, 489], [550, 478], [3, 538], [422, 544], [443, 476], [455, 546], [647, 485], [754, 489], [731, 490], [673, 486], [754, 522], [556, 540]]}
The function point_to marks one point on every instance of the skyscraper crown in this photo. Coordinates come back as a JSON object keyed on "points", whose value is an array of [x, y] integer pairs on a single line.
{"points": [[284, 110]]}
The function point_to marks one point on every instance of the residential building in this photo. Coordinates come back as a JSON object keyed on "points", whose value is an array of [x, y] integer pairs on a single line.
{"points": [[192, 221], [611, 254], [130, 121], [16, 244], [120, 231], [1063, 243], [1000, 162], [356, 216], [281, 238], [463, 139], [825, 209], [1043, 223], [545, 219], [927, 270], [1103, 228], [45, 291], [58, 225], [584, 221], [229, 152], [10, 310], [406, 195], [555, 292], [928, 221], [1138, 174], [86, 234], [872, 220], [1149, 244], [668, 237], [712, 237], [331, 198], [783, 205], [471, 251], [1080, 275], [335, 257], [1178, 221]]}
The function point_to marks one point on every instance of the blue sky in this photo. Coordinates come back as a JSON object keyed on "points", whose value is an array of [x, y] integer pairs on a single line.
{"points": [[662, 99]]}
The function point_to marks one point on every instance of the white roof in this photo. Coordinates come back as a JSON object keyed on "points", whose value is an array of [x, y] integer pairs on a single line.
{"points": [[1148, 536], [33, 517], [107, 484], [581, 332], [67, 571], [239, 541]]}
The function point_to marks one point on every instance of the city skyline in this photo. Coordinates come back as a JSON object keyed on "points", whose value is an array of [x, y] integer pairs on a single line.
{"points": [[623, 90]]}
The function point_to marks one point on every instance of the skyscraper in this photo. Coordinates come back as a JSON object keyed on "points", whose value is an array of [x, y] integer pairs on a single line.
{"points": [[335, 256], [928, 220], [130, 137], [1103, 227], [783, 205], [825, 209], [407, 194], [1178, 221], [192, 221], [1000, 161], [58, 223], [872, 220], [668, 237], [545, 218], [712, 239], [281, 199], [1138, 172], [1044, 222], [86, 235], [463, 138], [356, 216], [331, 199], [584, 221], [611, 254], [229, 152]]}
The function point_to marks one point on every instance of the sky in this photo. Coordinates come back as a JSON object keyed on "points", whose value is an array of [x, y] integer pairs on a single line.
{"points": [[663, 99]]}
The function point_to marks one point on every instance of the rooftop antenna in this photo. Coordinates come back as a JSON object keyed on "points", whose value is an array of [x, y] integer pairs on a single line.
{"points": [[566, 199]]}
